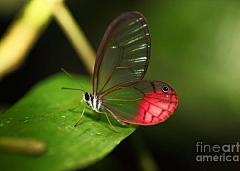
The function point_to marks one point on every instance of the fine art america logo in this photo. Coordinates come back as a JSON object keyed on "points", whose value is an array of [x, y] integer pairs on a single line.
{"points": [[217, 153]]}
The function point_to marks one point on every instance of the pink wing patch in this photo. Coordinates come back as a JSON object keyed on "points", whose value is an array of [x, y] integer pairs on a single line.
{"points": [[156, 107]]}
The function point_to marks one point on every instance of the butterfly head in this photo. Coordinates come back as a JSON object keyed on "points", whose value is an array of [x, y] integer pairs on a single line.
{"points": [[86, 96]]}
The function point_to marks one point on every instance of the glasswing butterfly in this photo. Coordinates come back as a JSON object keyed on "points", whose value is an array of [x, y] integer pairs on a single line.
{"points": [[118, 86]]}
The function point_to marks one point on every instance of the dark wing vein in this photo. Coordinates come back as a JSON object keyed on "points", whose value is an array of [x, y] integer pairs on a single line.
{"points": [[123, 54]]}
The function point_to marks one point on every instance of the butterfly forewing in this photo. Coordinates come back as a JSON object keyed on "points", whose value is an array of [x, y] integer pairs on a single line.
{"points": [[141, 102], [124, 52]]}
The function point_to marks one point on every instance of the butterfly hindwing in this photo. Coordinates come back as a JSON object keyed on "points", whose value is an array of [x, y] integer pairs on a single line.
{"points": [[124, 52], [141, 102]]}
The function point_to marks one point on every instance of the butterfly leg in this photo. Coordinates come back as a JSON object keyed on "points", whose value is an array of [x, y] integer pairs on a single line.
{"points": [[110, 122], [80, 117], [76, 106]]}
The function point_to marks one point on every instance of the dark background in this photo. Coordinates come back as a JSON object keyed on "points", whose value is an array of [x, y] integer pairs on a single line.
{"points": [[195, 48]]}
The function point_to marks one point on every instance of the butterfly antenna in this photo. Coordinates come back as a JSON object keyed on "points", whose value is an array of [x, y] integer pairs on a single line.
{"points": [[66, 88], [73, 80]]}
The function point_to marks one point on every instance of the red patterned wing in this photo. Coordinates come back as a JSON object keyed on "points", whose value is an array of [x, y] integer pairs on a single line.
{"points": [[141, 102]]}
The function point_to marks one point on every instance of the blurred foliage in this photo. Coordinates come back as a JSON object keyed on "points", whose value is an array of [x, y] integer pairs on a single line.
{"points": [[9, 8], [196, 50], [22, 35], [4, 108]]}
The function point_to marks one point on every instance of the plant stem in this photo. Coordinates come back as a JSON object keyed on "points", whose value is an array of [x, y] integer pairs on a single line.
{"points": [[146, 160], [25, 30], [22, 145], [22, 34], [73, 31]]}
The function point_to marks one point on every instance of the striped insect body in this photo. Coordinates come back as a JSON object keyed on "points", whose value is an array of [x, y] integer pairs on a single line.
{"points": [[92, 100]]}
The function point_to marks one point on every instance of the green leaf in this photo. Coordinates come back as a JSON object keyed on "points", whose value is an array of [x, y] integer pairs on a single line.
{"points": [[4, 108], [43, 116]]}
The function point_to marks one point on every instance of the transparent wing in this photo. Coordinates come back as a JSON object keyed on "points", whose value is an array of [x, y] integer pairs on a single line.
{"points": [[124, 52], [141, 102]]}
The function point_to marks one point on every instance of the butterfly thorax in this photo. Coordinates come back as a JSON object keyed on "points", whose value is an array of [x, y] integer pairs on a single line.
{"points": [[92, 100]]}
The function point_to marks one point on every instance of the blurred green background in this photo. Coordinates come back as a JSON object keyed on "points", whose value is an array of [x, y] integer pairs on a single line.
{"points": [[195, 48]]}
